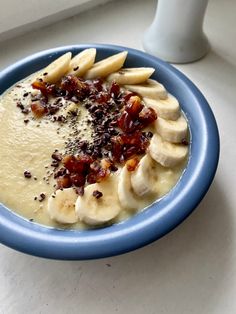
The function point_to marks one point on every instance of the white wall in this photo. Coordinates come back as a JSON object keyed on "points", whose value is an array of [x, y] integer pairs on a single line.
{"points": [[19, 16]]}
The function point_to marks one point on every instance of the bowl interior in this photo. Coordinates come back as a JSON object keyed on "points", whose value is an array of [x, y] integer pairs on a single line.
{"points": [[156, 220]]}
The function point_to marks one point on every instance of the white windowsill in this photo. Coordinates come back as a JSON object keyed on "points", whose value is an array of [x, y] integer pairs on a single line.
{"points": [[19, 17]]}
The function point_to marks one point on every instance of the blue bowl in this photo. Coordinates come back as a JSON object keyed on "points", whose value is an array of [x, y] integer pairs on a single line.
{"points": [[157, 219]]}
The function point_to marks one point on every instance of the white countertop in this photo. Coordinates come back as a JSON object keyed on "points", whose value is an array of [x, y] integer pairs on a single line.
{"points": [[192, 269]]}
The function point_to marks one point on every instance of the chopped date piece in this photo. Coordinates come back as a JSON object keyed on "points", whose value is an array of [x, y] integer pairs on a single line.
{"points": [[114, 89], [97, 194], [72, 164], [77, 179], [78, 164], [102, 97], [134, 106], [97, 175], [86, 159], [147, 116], [27, 174], [128, 95], [91, 178], [40, 85], [132, 164], [50, 89], [38, 109], [127, 145], [75, 86], [70, 83], [135, 116], [63, 182], [126, 123]]}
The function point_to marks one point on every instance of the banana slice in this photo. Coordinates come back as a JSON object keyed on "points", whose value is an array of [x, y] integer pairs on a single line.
{"points": [[82, 62], [143, 178], [125, 193], [165, 153], [95, 211], [131, 75], [166, 108], [107, 66], [61, 206], [55, 70], [151, 89], [172, 131]]}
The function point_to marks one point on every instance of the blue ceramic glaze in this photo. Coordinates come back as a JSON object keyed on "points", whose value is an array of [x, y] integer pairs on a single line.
{"points": [[156, 220]]}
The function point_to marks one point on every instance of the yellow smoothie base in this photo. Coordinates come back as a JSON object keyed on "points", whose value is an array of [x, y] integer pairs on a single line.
{"points": [[30, 146]]}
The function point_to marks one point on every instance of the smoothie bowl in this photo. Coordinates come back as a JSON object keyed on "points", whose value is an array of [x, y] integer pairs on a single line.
{"points": [[103, 150]]}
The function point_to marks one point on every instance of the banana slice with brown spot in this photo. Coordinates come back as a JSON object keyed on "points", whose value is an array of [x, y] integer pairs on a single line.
{"points": [[131, 75], [82, 62], [55, 70], [100, 203], [172, 131]]}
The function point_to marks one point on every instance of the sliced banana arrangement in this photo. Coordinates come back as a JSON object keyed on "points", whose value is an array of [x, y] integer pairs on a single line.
{"points": [[102, 202]]}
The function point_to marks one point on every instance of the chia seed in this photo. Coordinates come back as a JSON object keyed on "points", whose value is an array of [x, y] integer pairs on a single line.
{"points": [[27, 174]]}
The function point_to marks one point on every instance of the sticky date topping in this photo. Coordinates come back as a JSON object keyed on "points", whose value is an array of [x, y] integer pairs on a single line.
{"points": [[118, 120]]}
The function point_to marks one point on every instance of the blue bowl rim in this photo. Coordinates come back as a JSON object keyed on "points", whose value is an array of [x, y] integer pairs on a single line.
{"points": [[149, 225]]}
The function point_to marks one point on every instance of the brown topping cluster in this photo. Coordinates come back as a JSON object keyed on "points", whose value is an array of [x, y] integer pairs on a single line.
{"points": [[117, 117]]}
